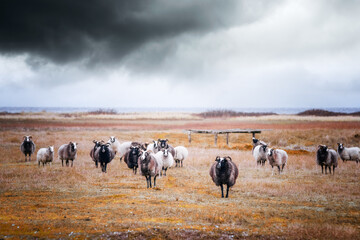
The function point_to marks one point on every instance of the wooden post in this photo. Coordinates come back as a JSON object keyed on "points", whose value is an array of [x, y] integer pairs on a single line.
{"points": [[253, 134], [227, 139], [189, 136], [216, 139]]}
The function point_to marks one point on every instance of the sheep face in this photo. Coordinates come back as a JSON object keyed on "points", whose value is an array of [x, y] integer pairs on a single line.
{"points": [[166, 152], [255, 140], [270, 152], [155, 144], [73, 146], [221, 162], [27, 138], [144, 155], [103, 148], [323, 150], [97, 144], [135, 150], [162, 143], [51, 149], [112, 139], [341, 146], [263, 148]]}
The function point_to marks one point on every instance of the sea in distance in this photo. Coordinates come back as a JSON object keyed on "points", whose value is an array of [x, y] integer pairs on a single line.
{"points": [[190, 110]]}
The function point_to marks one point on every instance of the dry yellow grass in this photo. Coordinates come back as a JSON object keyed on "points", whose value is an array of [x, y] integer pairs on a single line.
{"points": [[60, 202]]}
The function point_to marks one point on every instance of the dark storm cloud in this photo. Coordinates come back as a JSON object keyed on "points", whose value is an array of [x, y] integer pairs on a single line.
{"points": [[98, 31]]}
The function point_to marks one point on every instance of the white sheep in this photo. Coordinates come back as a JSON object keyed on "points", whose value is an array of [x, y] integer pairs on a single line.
{"points": [[45, 155], [119, 148], [259, 154], [349, 154], [278, 158], [181, 153], [153, 147], [166, 158]]}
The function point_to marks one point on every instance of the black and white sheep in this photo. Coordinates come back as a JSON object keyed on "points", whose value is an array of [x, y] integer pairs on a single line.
{"points": [[164, 143], [68, 152], [224, 171], [181, 153], [166, 158], [131, 157], [45, 155], [326, 157], [277, 158], [153, 146], [105, 155], [150, 166], [27, 147], [94, 157], [257, 142], [260, 154], [348, 154]]}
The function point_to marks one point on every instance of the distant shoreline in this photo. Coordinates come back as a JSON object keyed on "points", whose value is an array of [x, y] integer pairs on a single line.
{"points": [[336, 111]]}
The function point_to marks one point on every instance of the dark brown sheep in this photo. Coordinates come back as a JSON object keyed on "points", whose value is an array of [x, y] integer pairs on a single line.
{"points": [[224, 171], [27, 147]]}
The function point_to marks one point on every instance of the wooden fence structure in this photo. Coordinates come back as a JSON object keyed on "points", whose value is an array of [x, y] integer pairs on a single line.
{"points": [[227, 132]]}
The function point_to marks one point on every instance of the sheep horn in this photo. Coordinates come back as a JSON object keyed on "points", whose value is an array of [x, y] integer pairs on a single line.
{"points": [[228, 158]]}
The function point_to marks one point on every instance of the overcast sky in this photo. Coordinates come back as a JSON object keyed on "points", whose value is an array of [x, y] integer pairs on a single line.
{"points": [[188, 53]]}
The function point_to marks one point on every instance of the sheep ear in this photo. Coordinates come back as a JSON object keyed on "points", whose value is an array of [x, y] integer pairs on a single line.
{"points": [[159, 140], [338, 144], [167, 140], [228, 157], [30, 136], [217, 158], [94, 141], [319, 146], [24, 137]]}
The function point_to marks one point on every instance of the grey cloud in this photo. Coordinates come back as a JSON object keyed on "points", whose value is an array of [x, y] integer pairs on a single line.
{"points": [[100, 31]]}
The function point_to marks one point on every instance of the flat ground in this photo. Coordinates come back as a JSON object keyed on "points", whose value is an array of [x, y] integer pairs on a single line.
{"points": [[82, 202]]}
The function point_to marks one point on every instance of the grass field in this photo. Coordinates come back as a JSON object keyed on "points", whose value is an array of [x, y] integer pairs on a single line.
{"points": [[82, 202]]}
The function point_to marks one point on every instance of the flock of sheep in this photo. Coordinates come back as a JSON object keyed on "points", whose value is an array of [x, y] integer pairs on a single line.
{"points": [[154, 159]]}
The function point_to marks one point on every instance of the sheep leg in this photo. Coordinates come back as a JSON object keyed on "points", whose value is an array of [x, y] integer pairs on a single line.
{"points": [[72, 162], [279, 170], [222, 190], [181, 163], [96, 164], [105, 167], [272, 172], [147, 182], [155, 181], [165, 171], [39, 163], [43, 164], [322, 169], [29, 157], [227, 190], [326, 169], [330, 169], [333, 170], [150, 181]]}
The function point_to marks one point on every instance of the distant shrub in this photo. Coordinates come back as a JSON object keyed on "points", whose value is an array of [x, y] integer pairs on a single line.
{"points": [[103, 111], [222, 113], [325, 113]]}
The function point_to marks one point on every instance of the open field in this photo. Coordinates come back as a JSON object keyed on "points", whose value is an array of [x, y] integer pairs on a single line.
{"points": [[79, 202]]}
